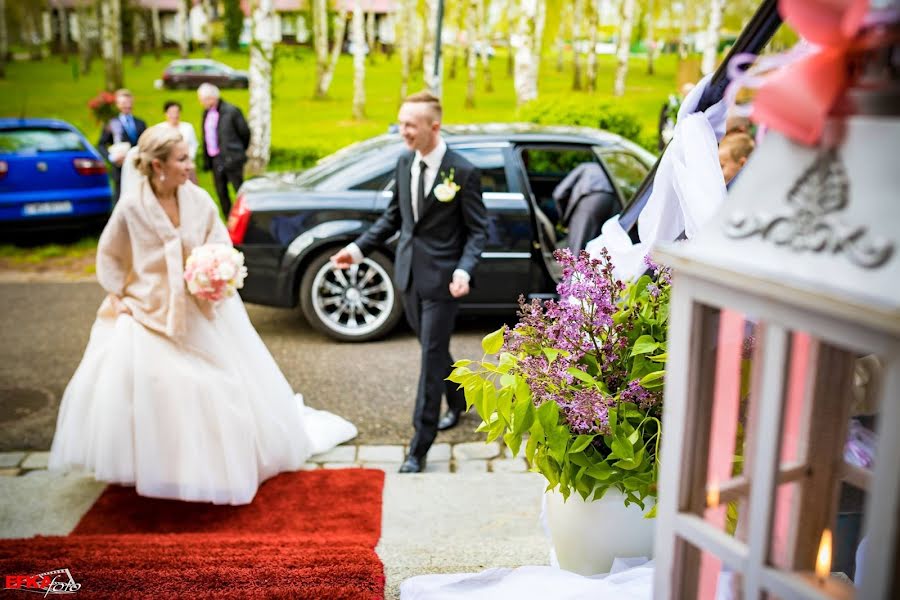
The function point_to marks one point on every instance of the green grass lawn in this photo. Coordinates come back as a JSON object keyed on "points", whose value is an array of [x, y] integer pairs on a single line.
{"points": [[53, 88]]}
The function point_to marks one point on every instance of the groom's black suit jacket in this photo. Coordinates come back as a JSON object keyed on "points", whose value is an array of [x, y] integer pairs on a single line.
{"points": [[447, 236]]}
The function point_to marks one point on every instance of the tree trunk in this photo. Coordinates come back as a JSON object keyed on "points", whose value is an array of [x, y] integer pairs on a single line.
{"points": [[137, 35], [577, 19], [4, 39], [651, 42], [485, 47], [530, 29], [510, 56], [471, 59], [370, 35], [458, 17], [320, 43], [181, 24], [406, 23], [682, 37], [560, 41], [207, 11], [262, 50], [157, 30], [84, 24], [63, 33], [624, 46], [592, 52], [111, 41], [711, 43], [339, 30], [428, 57], [359, 61], [46, 33]]}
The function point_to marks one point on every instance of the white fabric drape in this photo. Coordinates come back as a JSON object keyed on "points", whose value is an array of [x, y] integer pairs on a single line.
{"points": [[687, 190]]}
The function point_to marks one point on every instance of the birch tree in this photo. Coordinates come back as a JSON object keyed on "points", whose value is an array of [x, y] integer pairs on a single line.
{"points": [[181, 24], [111, 43], [624, 46], [157, 29], [529, 34], [405, 38], [594, 25], [577, 19], [370, 34], [340, 27], [137, 35], [711, 41], [471, 12], [4, 40], [458, 19], [359, 61], [428, 57], [485, 44], [320, 43], [208, 29], [560, 42], [651, 42], [63, 17], [262, 51], [86, 24]]}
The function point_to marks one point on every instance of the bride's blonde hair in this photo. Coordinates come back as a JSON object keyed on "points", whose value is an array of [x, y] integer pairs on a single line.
{"points": [[156, 142]]}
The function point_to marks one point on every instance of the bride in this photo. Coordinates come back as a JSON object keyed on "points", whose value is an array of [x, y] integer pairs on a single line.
{"points": [[174, 395]]}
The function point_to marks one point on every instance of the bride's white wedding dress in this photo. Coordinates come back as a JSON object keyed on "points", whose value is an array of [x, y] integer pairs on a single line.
{"points": [[205, 415]]}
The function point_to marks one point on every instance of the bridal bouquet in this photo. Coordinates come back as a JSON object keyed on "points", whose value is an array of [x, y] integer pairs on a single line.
{"points": [[582, 379], [214, 272]]}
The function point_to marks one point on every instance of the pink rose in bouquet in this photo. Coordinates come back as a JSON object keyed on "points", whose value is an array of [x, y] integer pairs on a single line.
{"points": [[214, 272]]}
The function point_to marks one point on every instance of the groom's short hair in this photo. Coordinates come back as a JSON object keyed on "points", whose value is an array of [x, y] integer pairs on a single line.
{"points": [[430, 100]]}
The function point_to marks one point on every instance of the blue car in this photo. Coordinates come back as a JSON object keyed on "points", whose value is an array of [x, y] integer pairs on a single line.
{"points": [[51, 177]]}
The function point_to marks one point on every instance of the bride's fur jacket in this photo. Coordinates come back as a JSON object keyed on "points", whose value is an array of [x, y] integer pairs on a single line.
{"points": [[141, 255]]}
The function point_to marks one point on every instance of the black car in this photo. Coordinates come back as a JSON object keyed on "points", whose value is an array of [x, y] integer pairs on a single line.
{"points": [[288, 224], [189, 73]]}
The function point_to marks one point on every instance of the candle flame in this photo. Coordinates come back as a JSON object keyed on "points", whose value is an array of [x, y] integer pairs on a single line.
{"points": [[712, 494], [823, 559]]}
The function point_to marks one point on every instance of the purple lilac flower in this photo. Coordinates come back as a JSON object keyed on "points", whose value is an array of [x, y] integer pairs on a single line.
{"points": [[637, 394], [586, 412]]}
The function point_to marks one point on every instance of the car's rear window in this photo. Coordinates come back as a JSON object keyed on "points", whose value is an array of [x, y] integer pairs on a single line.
{"points": [[30, 140]]}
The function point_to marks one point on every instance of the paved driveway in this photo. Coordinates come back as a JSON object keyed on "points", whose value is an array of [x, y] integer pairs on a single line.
{"points": [[45, 327]]}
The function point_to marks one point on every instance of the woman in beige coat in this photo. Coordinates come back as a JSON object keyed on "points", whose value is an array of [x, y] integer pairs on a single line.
{"points": [[175, 395]]}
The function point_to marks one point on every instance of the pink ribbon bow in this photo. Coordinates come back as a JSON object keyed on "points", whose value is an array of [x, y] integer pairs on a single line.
{"points": [[796, 101]]}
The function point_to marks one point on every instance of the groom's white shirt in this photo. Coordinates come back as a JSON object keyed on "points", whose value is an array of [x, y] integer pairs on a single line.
{"points": [[432, 163]]}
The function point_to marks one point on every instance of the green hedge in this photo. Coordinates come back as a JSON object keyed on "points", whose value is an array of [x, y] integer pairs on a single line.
{"points": [[599, 115], [295, 159]]}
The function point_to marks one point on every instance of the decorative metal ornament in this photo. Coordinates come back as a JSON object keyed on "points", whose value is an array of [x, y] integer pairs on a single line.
{"points": [[813, 223]]}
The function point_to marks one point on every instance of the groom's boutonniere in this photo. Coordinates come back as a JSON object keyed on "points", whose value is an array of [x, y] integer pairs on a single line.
{"points": [[446, 191]]}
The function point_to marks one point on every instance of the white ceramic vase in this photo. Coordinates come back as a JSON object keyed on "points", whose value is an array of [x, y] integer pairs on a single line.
{"points": [[587, 536]]}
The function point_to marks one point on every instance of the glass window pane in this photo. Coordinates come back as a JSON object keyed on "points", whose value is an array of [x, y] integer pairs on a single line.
{"points": [[627, 171], [492, 166], [26, 141]]}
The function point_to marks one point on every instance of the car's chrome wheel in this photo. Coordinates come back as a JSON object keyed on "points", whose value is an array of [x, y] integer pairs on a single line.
{"points": [[358, 303]]}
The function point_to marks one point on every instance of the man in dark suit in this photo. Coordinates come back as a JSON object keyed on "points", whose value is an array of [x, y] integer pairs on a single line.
{"points": [[225, 138], [585, 200], [437, 209], [124, 127]]}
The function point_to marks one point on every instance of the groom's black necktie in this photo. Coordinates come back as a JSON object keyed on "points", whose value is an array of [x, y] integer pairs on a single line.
{"points": [[420, 192]]}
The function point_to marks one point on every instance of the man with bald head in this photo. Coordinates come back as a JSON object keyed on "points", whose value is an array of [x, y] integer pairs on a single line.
{"points": [[437, 209], [225, 138]]}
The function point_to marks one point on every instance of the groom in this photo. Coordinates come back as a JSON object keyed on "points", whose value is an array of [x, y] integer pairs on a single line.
{"points": [[437, 209]]}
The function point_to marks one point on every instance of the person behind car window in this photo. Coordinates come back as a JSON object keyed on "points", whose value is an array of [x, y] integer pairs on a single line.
{"points": [[585, 199], [172, 109], [734, 150], [225, 138], [119, 134]]}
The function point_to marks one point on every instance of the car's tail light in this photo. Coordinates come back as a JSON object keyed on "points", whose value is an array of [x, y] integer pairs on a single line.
{"points": [[89, 166], [238, 220], [4, 168]]}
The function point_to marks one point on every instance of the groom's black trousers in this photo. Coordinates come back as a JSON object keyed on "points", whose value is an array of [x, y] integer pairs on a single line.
{"points": [[433, 322]]}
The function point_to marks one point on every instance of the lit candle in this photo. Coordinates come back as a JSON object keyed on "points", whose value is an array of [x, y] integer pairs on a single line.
{"points": [[823, 559], [712, 494]]}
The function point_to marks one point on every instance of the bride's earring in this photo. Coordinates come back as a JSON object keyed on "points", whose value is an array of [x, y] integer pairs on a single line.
{"points": [[162, 177]]}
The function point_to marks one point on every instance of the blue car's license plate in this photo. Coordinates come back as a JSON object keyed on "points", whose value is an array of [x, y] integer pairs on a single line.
{"points": [[46, 208]]}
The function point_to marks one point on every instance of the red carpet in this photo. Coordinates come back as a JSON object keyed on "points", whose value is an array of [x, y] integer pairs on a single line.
{"points": [[309, 534]]}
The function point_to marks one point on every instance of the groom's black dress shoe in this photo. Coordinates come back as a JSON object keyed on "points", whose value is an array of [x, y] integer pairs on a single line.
{"points": [[450, 419], [413, 464]]}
